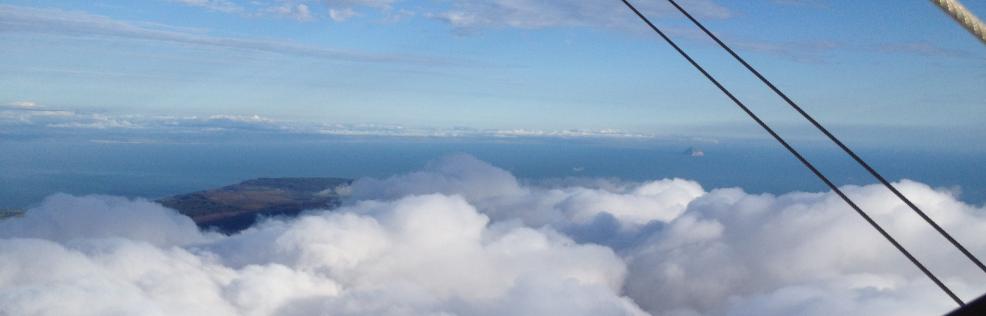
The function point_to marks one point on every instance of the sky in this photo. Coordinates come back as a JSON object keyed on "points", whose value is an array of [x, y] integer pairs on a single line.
{"points": [[122, 82], [502, 65]]}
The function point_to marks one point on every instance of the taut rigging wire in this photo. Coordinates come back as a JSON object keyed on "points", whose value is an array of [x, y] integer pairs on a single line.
{"points": [[835, 140], [797, 155]]}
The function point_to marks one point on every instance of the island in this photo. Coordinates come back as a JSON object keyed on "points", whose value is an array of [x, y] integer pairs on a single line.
{"points": [[233, 208], [11, 212]]}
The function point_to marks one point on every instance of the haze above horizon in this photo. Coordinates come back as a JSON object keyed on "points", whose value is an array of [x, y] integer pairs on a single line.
{"points": [[499, 65]]}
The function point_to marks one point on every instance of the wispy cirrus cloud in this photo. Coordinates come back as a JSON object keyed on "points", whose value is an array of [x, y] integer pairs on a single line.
{"points": [[804, 52], [473, 16], [469, 14], [805, 3], [43, 121], [925, 49], [214, 5], [25, 104], [300, 10], [17, 19]]}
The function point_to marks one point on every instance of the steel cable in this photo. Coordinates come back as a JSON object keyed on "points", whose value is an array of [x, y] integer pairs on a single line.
{"points": [[797, 155]]}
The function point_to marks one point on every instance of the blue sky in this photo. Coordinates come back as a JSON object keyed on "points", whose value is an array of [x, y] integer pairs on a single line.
{"points": [[504, 64]]}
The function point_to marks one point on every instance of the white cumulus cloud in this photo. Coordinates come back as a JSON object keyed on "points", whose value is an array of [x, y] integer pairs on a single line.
{"points": [[419, 255], [463, 237]]}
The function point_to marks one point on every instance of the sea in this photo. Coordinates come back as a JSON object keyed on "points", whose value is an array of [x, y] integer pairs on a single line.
{"points": [[31, 170]]}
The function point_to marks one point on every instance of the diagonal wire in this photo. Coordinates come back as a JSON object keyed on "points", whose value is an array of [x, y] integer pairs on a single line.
{"points": [[836, 140], [798, 155]]}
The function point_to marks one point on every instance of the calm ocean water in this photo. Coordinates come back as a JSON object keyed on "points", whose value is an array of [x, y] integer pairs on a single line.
{"points": [[31, 170]]}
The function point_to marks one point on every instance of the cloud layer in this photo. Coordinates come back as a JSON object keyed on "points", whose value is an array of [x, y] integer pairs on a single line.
{"points": [[462, 237], [530, 14], [30, 119], [461, 14]]}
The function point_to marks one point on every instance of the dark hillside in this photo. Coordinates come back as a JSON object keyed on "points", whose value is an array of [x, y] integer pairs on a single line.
{"points": [[235, 207]]}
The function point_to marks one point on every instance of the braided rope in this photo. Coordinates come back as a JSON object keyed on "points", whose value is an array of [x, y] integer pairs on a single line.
{"points": [[962, 15]]}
